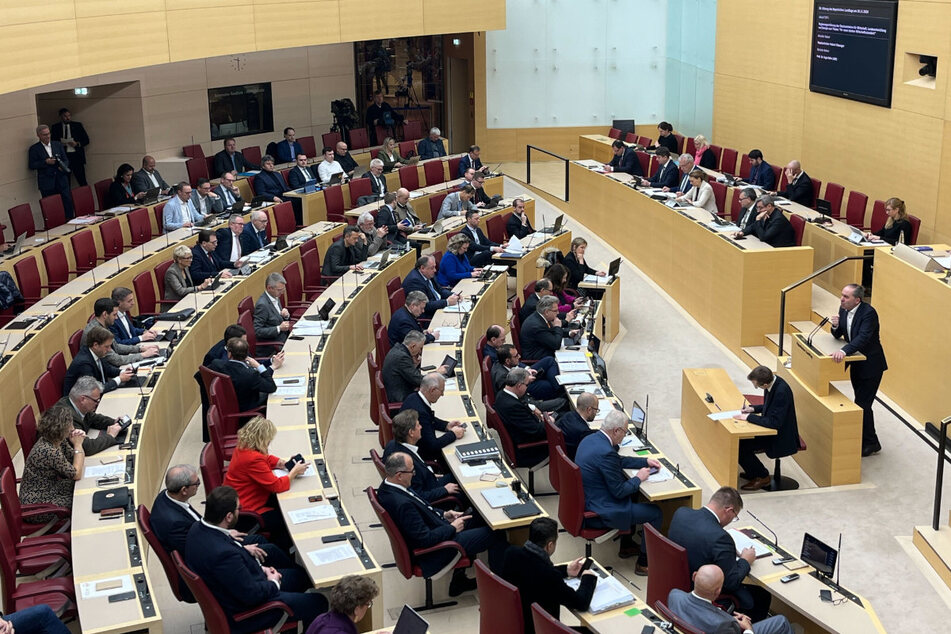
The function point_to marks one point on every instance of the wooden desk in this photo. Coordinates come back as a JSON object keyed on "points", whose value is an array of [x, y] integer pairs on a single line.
{"points": [[596, 147], [608, 325], [626, 619], [437, 241], [419, 199], [717, 443], [526, 267], [731, 288]]}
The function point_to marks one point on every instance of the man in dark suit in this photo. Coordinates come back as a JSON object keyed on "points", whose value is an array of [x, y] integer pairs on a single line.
{"points": [[472, 160], [423, 526], [301, 174], [778, 412], [88, 362], [235, 577], [432, 146], [575, 424], [538, 580], [761, 172], [73, 136], [423, 278], [377, 179], [254, 235], [405, 318], [542, 385], [342, 255], [270, 318], [524, 422], [206, 202], [494, 338], [430, 390], [231, 160], [857, 323], [609, 492], [685, 163], [149, 178], [425, 484], [342, 156], [542, 289], [701, 533], [697, 609], [230, 249], [81, 403], [400, 372], [48, 158], [518, 224], [228, 191], [289, 148], [799, 185], [624, 160], [380, 113], [542, 333], [123, 328], [205, 261], [386, 218], [480, 247], [252, 381], [748, 213], [771, 225], [666, 174]]}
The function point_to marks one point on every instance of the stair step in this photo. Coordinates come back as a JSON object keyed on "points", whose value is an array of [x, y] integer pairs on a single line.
{"points": [[771, 342], [804, 325], [759, 355]]}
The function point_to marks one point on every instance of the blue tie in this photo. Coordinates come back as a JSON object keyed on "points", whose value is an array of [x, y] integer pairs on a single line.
{"points": [[260, 239], [433, 288], [234, 163]]}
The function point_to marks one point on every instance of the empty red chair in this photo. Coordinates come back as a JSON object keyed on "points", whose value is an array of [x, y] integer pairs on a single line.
{"points": [[57, 593], [74, 340], [728, 161], [284, 218], [500, 603], [614, 133], [196, 168], [644, 159], [54, 214], [454, 167], [56, 366], [413, 130], [26, 428], [21, 219], [330, 139], [816, 186], [84, 250], [309, 145], [680, 142], [381, 133], [397, 299], [409, 177], [545, 623], [28, 280], [145, 296], [719, 196], [833, 195], [407, 148], [434, 172], [735, 207], [798, 225], [673, 570], [57, 266], [333, 200], [359, 139], [111, 233], [252, 154], [879, 217], [102, 192], [645, 141], [855, 209], [193, 151], [691, 147], [717, 151], [745, 166], [779, 176], [915, 226], [435, 202], [159, 220], [630, 137], [83, 201], [495, 228], [140, 226], [359, 187], [46, 391]]}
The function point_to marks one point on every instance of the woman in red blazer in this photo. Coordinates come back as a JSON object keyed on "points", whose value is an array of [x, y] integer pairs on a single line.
{"points": [[250, 473]]}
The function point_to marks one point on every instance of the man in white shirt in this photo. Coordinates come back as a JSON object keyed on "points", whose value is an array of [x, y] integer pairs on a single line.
{"points": [[206, 201], [227, 190], [328, 167], [179, 211], [148, 178]]}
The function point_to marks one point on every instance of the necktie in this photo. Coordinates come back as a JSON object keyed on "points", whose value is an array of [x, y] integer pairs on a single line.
{"points": [[260, 240], [683, 184], [475, 236], [229, 199], [234, 163], [290, 150], [102, 376], [235, 247], [432, 287]]}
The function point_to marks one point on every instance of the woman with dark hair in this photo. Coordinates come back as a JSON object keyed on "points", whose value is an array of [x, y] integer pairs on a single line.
{"points": [[120, 191], [666, 138], [558, 275], [54, 464], [349, 601]]}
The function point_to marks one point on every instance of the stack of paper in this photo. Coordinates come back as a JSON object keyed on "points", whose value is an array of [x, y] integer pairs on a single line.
{"points": [[724, 415], [661, 476], [608, 594], [304, 328], [570, 355], [572, 366], [449, 334], [599, 280], [475, 471], [312, 514], [633, 442], [741, 540], [462, 306], [326, 556], [727, 228], [514, 247], [574, 378]]}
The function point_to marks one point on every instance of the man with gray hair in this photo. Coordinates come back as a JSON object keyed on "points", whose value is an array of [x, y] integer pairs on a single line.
{"points": [[48, 158], [542, 333], [270, 318], [609, 492], [524, 421], [401, 374], [377, 180], [771, 225], [406, 319], [432, 146], [406, 433], [372, 239], [431, 388], [254, 236], [685, 161], [81, 403]]}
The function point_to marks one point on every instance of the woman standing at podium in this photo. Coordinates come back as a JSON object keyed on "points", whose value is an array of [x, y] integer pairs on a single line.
{"points": [[897, 227]]}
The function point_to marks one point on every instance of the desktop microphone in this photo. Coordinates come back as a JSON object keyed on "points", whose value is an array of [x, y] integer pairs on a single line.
{"points": [[647, 404], [775, 539], [838, 562], [812, 334], [709, 399], [93, 271]]}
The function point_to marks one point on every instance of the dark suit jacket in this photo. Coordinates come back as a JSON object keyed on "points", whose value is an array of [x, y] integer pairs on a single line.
{"points": [[249, 384], [171, 523], [118, 195], [296, 180], [749, 215], [84, 365], [528, 309], [401, 375], [513, 227], [346, 161], [484, 243], [466, 163], [667, 175], [669, 142], [706, 542], [416, 282], [702, 614], [205, 265], [78, 132], [575, 429], [223, 250], [864, 339], [775, 230], [141, 181], [46, 175], [521, 424], [420, 525], [607, 489], [377, 184], [707, 159], [225, 163], [538, 338], [576, 270], [251, 240], [231, 573], [401, 323], [762, 175], [124, 336], [425, 483], [430, 445], [430, 149], [539, 581], [220, 190], [627, 162], [286, 154], [267, 320], [92, 420], [269, 184], [778, 412], [217, 351], [338, 259], [386, 218], [800, 190]]}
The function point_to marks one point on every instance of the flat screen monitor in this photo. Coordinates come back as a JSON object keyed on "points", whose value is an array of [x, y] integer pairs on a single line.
{"points": [[240, 110], [638, 417], [818, 555], [624, 125], [853, 49]]}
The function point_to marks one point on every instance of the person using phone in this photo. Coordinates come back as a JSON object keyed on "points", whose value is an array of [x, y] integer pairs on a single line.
{"points": [[538, 580], [427, 485], [81, 403], [252, 380]]}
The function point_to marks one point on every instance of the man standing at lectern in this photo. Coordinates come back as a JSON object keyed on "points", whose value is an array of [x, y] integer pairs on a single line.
{"points": [[857, 323]]}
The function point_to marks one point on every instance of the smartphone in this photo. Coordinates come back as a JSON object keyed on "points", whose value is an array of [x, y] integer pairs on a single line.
{"points": [[648, 629], [587, 564], [315, 498], [789, 578], [122, 596], [654, 470], [781, 560], [825, 595], [329, 539]]}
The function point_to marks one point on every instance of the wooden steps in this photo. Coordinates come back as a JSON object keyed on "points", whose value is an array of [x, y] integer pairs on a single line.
{"points": [[936, 548]]}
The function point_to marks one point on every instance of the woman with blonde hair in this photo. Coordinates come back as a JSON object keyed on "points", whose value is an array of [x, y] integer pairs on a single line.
{"points": [[390, 155], [349, 601], [178, 277], [704, 155], [897, 226], [250, 473], [54, 464], [700, 193], [576, 264], [455, 265]]}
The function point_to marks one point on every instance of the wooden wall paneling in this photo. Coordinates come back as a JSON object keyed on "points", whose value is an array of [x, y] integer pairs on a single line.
{"points": [[922, 29], [115, 42], [290, 24], [206, 32], [57, 59], [378, 19], [749, 114]]}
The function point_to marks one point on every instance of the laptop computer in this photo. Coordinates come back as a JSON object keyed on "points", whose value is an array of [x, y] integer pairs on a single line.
{"points": [[336, 179], [823, 207], [493, 202], [237, 207], [151, 196], [257, 201], [555, 228], [410, 622], [17, 245]]}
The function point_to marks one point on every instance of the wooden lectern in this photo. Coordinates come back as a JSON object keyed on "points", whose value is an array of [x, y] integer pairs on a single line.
{"points": [[815, 367]]}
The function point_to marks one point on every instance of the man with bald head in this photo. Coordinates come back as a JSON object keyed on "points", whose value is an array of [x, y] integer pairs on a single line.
{"points": [[697, 609], [799, 188], [575, 424], [342, 156], [148, 177]]}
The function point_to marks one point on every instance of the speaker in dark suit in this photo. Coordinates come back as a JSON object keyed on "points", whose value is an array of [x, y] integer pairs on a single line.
{"points": [[778, 411], [73, 136]]}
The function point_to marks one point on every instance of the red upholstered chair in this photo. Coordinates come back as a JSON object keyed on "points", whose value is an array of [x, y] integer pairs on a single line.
{"points": [[83, 200], [28, 533], [915, 227], [111, 233], [528, 289], [359, 139], [26, 429], [330, 139], [669, 568], [378, 463], [313, 282], [545, 623], [160, 271], [879, 217], [21, 220], [381, 342], [144, 518], [735, 207], [644, 159], [252, 154], [359, 187], [719, 196], [246, 319], [614, 133], [435, 202], [372, 369], [779, 176], [56, 366], [407, 149], [434, 172], [54, 214], [84, 250], [454, 167], [56, 264], [630, 137], [404, 556], [333, 199], [223, 440], [488, 389], [652, 165], [28, 280], [157, 211], [717, 151], [284, 218], [297, 298], [74, 341], [679, 623], [309, 145], [215, 620], [144, 290], [46, 391], [833, 195], [691, 148], [392, 285], [6, 460], [556, 439], [413, 130], [798, 225], [495, 228], [409, 177], [509, 448], [745, 166], [500, 603], [855, 209], [480, 345], [816, 186], [397, 299], [193, 151], [385, 432], [57, 593], [102, 192], [728, 161], [571, 511], [680, 142], [381, 133], [196, 168]]}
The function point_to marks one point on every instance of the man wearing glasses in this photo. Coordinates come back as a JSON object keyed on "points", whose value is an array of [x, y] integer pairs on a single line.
{"points": [[81, 403], [228, 191], [747, 200], [701, 532]]}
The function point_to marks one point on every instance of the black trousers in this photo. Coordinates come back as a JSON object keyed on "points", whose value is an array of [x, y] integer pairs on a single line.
{"points": [[865, 390], [78, 167], [62, 188], [749, 461]]}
